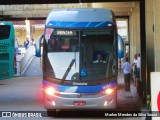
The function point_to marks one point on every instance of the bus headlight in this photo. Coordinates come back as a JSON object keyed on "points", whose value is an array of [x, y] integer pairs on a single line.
{"points": [[108, 91], [50, 90]]}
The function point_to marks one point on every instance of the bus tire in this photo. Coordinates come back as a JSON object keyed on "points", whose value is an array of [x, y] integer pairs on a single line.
{"points": [[51, 112]]}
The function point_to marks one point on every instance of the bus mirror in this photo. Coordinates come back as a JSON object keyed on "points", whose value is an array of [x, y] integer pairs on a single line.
{"points": [[120, 47], [38, 46]]}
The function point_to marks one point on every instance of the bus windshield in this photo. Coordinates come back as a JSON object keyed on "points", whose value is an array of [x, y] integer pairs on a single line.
{"points": [[81, 55]]}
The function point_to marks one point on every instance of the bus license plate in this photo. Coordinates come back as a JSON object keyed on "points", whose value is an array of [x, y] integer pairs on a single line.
{"points": [[79, 103]]}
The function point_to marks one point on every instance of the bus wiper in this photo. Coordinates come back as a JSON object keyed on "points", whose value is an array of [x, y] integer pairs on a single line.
{"points": [[68, 69]]}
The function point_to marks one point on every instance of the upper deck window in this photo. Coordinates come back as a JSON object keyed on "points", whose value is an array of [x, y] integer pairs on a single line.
{"points": [[4, 31]]}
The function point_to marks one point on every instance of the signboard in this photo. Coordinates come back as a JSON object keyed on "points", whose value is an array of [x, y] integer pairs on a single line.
{"points": [[155, 94], [65, 32]]}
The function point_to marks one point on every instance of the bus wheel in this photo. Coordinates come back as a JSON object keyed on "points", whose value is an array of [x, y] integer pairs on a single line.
{"points": [[51, 112]]}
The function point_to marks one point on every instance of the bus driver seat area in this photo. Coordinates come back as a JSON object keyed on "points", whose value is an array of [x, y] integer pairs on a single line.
{"points": [[99, 57]]}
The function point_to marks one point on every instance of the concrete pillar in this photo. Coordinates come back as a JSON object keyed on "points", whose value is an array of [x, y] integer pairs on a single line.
{"points": [[156, 10], [149, 35], [32, 28], [134, 29], [150, 64], [132, 37], [28, 29]]}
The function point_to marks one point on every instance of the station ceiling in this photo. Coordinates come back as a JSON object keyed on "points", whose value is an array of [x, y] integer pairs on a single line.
{"points": [[40, 11], [11, 2]]}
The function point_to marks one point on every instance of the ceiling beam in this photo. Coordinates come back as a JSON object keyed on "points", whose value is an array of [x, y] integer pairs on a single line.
{"points": [[17, 2]]}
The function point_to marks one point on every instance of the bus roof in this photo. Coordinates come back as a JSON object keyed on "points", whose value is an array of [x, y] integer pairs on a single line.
{"points": [[6, 23], [80, 17]]}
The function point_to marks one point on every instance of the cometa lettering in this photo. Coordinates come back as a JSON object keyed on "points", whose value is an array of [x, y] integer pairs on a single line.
{"points": [[75, 83]]}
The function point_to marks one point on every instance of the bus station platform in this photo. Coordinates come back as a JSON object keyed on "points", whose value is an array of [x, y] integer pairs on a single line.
{"points": [[128, 100]]}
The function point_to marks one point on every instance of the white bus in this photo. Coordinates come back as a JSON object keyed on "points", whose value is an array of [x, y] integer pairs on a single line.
{"points": [[80, 52]]}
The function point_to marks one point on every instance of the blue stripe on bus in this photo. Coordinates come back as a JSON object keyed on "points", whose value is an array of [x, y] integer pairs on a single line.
{"points": [[78, 24], [80, 89]]}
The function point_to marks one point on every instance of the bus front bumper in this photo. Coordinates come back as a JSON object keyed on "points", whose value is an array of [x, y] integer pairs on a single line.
{"points": [[80, 102]]}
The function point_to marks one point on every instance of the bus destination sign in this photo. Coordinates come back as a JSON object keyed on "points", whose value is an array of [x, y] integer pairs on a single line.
{"points": [[65, 32]]}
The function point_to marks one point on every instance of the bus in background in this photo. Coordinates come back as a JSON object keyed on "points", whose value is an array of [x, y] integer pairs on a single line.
{"points": [[80, 59], [6, 50]]}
